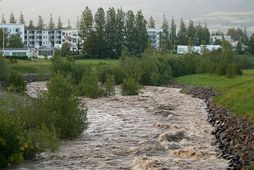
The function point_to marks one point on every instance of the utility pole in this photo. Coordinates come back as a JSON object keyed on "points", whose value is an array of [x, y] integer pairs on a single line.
{"points": [[3, 41]]}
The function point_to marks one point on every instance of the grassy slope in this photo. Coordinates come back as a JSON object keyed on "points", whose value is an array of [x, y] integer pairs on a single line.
{"points": [[237, 94], [42, 66]]}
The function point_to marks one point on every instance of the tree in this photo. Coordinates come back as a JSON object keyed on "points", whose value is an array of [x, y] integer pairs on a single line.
{"points": [[40, 24], [206, 34], [111, 36], [90, 46], [78, 23], [182, 34], [165, 42], [173, 35], [65, 49], [31, 24], [69, 24], [191, 32], [1, 38], [151, 23], [239, 47], [86, 23], [51, 23], [21, 19], [15, 41], [251, 44], [199, 34], [141, 34], [130, 32], [59, 24], [100, 32], [3, 21], [12, 19], [120, 29]]}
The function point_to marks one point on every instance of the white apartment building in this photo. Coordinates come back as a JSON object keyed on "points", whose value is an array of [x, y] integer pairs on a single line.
{"points": [[45, 38], [10, 29], [184, 49], [154, 35], [70, 36]]}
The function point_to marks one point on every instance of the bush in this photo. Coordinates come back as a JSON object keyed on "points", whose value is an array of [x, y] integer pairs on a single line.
{"points": [[109, 85], [118, 75], [130, 87], [16, 83], [103, 70], [233, 70], [11, 150], [60, 109], [4, 71], [89, 87]]}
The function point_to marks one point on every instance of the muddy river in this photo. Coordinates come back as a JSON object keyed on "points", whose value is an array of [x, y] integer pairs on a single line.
{"points": [[159, 129]]}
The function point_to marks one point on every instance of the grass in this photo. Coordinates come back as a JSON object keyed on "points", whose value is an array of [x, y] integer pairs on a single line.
{"points": [[41, 66], [237, 94]]}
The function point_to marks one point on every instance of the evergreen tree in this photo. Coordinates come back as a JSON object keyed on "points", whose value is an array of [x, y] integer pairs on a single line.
{"points": [[206, 34], [3, 21], [86, 23], [40, 24], [69, 24], [199, 34], [130, 35], [78, 23], [165, 39], [31, 24], [173, 35], [182, 34], [100, 32], [151, 23], [120, 29], [51, 23], [59, 24], [12, 19], [251, 44], [141, 39], [21, 19], [111, 36], [191, 32]]}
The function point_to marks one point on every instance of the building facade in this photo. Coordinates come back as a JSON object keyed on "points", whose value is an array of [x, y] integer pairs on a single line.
{"points": [[184, 49], [10, 29], [155, 35], [71, 36]]}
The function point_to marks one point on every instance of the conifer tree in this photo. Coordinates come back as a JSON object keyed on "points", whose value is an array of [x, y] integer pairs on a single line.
{"points": [[173, 34], [182, 34], [191, 32], [130, 35], [3, 21], [12, 19], [59, 24], [51, 23], [86, 23], [40, 24], [69, 24], [21, 19], [151, 23], [165, 42], [120, 29], [31, 24]]}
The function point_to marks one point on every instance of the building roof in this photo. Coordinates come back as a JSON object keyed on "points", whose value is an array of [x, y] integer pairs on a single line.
{"points": [[14, 49]]}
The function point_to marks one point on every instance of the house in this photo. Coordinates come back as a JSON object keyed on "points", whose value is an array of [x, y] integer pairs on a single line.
{"points": [[155, 35]]}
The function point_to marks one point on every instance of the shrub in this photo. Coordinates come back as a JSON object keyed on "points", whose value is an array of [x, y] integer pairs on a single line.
{"points": [[59, 108], [103, 70], [233, 70], [16, 83], [109, 85], [130, 87], [89, 86], [4, 72], [11, 150], [119, 75]]}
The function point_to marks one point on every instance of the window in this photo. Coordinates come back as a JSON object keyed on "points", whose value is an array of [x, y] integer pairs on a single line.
{"points": [[19, 54]]}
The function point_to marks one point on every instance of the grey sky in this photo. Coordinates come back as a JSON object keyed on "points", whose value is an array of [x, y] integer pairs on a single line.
{"points": [[219, 14]]}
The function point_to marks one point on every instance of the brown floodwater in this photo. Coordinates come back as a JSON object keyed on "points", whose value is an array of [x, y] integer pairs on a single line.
{"points": [[159, 129]]}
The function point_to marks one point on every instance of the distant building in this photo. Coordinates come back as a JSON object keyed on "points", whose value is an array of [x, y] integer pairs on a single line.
{"points": [[70, 36], [215, 38], [46, 38], [154, 35], [183, 49], [10, 29]]}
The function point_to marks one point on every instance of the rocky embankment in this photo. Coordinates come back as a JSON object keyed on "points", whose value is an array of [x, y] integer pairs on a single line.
{"points": [[234, 136]]}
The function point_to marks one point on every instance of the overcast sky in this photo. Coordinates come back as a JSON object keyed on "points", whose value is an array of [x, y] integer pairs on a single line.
{"points": [[219, 14]]}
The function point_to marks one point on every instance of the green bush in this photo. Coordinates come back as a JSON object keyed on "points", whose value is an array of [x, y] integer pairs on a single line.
{"points": [[130, 87], [233, 70], [16, 83], [89, 86], [103, 70], [4, 71], [59, 108], [11, 143], [119, 75], [109, 85]]}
